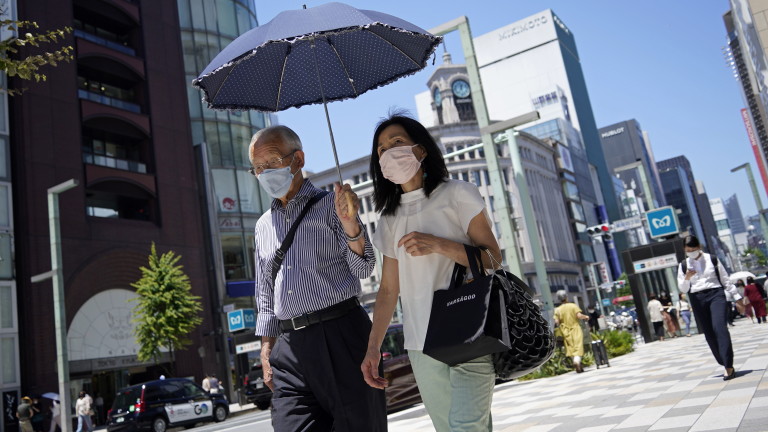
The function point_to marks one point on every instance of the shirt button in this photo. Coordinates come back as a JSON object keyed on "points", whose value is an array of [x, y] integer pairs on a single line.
{"points": [[287, 219], [290, 291], [289, 267]]}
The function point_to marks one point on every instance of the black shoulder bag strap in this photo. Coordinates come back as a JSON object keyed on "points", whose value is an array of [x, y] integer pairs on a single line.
{"points": [[280, 253]]}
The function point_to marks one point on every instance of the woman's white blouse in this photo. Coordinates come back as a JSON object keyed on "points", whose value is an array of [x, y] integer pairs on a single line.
{"points": [[447, 214]]}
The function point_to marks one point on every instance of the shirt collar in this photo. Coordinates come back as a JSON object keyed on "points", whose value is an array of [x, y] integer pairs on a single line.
{"points": [[306, 191]]}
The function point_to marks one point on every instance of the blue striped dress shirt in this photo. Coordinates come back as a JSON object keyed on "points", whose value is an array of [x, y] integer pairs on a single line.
{"points": [[319, 269]]}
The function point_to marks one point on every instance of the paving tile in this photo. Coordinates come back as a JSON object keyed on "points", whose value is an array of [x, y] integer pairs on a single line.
{"points": [[674, 422]]}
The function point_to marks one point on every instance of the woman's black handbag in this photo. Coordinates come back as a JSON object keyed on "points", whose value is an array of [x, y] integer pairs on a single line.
{"points": [[532, 339], [467, 321]]}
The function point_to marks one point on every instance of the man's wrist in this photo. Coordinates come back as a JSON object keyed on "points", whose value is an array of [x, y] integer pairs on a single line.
{"points": [[356, 236]]}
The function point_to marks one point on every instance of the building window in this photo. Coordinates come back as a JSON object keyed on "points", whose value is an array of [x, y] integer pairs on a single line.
{"points": [[111, 205], [8, 350], [234, 257], [722, 224]]}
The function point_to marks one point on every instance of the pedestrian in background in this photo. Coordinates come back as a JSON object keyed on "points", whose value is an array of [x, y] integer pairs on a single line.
{"points": [[206, 384], [756, 301], [213, 382], [24, 413], [707, 281], [426, 218], [568, 318], [747, 307], [656, 313], [83, 411], [594, 318], [313, 330], [669, 313], [55, 416], [684, 309]]}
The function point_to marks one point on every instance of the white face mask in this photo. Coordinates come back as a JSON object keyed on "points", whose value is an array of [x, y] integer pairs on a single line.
{"points": [[399, 164], [694, 254], [277, 182]]}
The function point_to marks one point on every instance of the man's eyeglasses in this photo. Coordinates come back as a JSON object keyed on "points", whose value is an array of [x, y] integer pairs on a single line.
{"points": [[274, 163]]}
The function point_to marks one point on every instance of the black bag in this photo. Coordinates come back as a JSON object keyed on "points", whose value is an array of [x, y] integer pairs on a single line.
{"points": [[467, 321], [532, 339]]}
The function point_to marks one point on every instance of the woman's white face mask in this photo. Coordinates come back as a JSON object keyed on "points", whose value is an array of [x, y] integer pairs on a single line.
{"points": [[693, 254]]}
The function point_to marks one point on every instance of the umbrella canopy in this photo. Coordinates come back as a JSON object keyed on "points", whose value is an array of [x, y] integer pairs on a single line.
{"points": [[52, 396], [743, 275], [274, 66]]}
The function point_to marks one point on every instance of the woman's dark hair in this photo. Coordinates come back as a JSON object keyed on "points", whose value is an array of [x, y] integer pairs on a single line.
{"points": [[691, 241], [750, 280], [652, 297], [386, 195], [740, 282]]}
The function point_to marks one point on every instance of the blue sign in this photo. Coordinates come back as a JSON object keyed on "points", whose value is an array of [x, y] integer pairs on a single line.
{"points": [[241, 319], [606, 302], [662, 222]]}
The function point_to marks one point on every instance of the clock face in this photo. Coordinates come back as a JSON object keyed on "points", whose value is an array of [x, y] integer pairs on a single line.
{"points": [[460, 88], [438, 97]]}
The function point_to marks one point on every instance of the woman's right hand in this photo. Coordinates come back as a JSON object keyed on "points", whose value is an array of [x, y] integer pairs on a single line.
{"points": [[370, 368], [689, 274]]}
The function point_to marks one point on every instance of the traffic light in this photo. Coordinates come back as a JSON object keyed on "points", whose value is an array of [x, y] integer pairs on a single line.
{"points": [[602, 230]]}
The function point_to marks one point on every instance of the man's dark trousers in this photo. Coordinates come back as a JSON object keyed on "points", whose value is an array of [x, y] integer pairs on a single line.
{"points": [[709, 307], [318, 382]]}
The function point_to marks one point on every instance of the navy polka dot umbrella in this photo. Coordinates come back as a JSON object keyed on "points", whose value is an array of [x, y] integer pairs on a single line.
{"points": [[316, 55]]}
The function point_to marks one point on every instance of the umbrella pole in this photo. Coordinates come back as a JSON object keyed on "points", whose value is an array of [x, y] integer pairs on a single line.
{"points": [[350, 204], [325, 107]]}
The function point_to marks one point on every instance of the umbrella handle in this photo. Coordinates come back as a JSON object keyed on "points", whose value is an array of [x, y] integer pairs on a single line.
{"points": [[350, 206]]}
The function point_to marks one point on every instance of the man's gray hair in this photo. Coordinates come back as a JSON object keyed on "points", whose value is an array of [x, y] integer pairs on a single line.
{"points": [[561, 295], [287, 135]]}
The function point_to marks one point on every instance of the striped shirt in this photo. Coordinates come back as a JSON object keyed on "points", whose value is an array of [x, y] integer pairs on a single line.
{"points": [[319, 269]]}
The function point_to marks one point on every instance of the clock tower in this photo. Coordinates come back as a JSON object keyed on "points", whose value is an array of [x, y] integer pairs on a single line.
{"points": [[451, 94]]}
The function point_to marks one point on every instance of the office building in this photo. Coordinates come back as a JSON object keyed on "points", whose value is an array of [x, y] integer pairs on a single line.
{"points": [[735, 217], [533, 64], [733, 246], [116, 120], [679, 193], [746, 27]]}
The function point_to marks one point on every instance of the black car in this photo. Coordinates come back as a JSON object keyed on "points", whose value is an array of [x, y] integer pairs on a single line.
{"points": [[402, 390], [157, 405], [256, 392]]}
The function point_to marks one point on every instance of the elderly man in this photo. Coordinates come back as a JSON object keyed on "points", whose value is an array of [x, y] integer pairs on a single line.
{"points": [[314, 332]]}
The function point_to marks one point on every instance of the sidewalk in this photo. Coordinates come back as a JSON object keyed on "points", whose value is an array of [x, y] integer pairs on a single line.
{"points": [[674, 385]]}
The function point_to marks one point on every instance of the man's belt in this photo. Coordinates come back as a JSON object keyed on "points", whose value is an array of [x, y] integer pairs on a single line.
{"points": [[331, 312]]}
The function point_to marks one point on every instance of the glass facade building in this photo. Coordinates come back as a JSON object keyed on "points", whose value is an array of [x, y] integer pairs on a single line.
{"points": [[206, 28]]}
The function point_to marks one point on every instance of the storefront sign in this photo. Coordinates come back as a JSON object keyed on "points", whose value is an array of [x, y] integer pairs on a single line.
{"points": [[627, 224], [656, 263], [230, 223], [248, 347], [10, 403], [603, 272], [622, 298], [662, 222], [755, 146]]}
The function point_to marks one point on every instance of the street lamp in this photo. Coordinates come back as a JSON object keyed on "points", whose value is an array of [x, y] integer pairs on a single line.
{"points": [[501, 198], [756, 194], [56, 274]]}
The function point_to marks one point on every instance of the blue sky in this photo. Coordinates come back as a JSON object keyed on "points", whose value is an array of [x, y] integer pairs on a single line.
{"points": [[659, 62]]}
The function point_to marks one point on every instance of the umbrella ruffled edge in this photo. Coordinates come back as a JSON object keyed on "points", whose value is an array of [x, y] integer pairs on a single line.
{"points": [[435, 41]]}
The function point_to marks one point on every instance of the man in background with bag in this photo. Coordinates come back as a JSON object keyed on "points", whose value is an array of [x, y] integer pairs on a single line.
{"points": [[567, 317], [314, 331]]}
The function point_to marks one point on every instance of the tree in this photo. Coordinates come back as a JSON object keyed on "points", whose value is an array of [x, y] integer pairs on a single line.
{"points": [[624, 290], [27, 68], [166, 311], [760, 257]]}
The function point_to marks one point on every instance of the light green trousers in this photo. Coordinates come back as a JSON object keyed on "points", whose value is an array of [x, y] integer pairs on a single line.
{"points": [[458, 398]]}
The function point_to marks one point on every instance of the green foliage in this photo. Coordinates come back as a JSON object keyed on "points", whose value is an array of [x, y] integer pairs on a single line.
{"points": [[762, 260], [27, 68], [166, 311], [625, 291], [617, 342]]}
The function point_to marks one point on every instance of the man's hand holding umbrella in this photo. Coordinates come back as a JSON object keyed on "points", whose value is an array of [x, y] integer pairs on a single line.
{"points": [[347, 206]]}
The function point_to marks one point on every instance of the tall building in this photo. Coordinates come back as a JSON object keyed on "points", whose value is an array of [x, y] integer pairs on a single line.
{"points": [[628, 157], [533, 64], [731, 247], [235, 201], [746, 27], [735, 218], [708, 234], [116, 120], [679, 194]]}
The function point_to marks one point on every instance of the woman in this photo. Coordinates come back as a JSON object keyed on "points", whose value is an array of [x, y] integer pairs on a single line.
{"points": [[752, 292], [426, 219], [746, 308], [670, 315], [656, 313], [684, 309], [706, 279], [567, 317]]}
